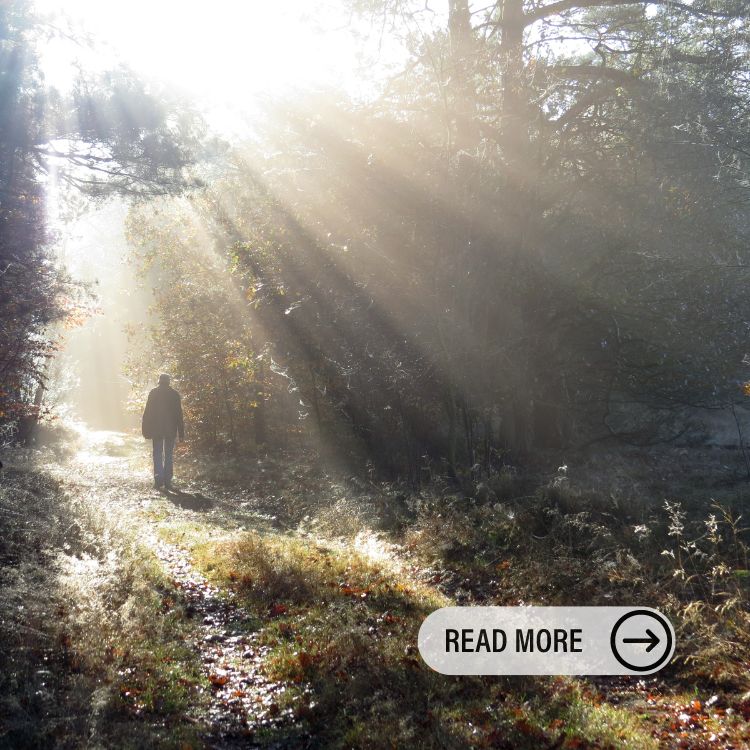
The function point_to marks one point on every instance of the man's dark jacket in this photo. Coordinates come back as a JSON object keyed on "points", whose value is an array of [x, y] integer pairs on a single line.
{"points": [[162, 417]]}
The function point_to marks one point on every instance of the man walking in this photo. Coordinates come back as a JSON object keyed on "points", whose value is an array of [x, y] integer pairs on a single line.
{"points": [[162, 423]]}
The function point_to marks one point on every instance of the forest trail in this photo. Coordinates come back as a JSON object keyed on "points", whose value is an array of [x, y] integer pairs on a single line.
{"points": [[111, 471], [310, 622]]}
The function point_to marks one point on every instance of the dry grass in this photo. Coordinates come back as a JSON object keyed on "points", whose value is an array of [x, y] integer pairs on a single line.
{"points": [[92, 642], [566, 546], [97, 654], [343, 629]]}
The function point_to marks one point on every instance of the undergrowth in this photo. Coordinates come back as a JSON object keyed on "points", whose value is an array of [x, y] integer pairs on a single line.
{"points": [[94, 638], [563, 545], [336, 627]]}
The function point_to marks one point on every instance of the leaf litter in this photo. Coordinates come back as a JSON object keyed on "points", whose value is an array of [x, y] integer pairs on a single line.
{"points": [[243, 701]]}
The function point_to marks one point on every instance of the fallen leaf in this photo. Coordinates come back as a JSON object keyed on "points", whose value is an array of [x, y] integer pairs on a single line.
{"points": [[304, 659]]}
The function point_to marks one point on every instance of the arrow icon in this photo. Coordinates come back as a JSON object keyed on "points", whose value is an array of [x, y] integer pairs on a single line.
{"points": [[649, 659], [652, 640]]}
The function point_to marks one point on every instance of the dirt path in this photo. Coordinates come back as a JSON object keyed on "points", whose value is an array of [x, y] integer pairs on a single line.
{"points": [[243, 701], [112, 471]]}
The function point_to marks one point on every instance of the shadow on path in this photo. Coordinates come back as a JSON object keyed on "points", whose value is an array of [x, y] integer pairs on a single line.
{"points": [[190, 500]]}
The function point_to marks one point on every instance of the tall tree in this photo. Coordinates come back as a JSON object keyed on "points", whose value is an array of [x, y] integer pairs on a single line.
{"points": [[598, 144]]}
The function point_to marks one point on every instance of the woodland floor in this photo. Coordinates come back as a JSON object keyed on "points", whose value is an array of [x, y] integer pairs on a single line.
{"points": [[234, 614]]}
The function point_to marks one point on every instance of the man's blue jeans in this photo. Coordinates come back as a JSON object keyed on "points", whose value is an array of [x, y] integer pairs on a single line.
{"points": [[163, 453]]}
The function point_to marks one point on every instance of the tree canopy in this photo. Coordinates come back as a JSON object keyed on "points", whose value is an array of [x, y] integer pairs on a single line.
{"points": [[534, 236]]}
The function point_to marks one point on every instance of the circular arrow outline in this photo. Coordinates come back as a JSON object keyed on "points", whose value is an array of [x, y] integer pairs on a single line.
{"points": [[667, 629]]}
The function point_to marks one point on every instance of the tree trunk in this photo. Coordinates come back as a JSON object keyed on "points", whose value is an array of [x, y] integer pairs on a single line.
{"points": [[461, 87], [515, 136]]}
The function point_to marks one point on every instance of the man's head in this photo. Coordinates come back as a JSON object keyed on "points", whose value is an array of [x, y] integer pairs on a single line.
{"points": [[163, 379]]}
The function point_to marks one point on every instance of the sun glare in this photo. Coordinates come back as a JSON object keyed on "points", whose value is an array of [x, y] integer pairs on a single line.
{"points": [[228, 52]]}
